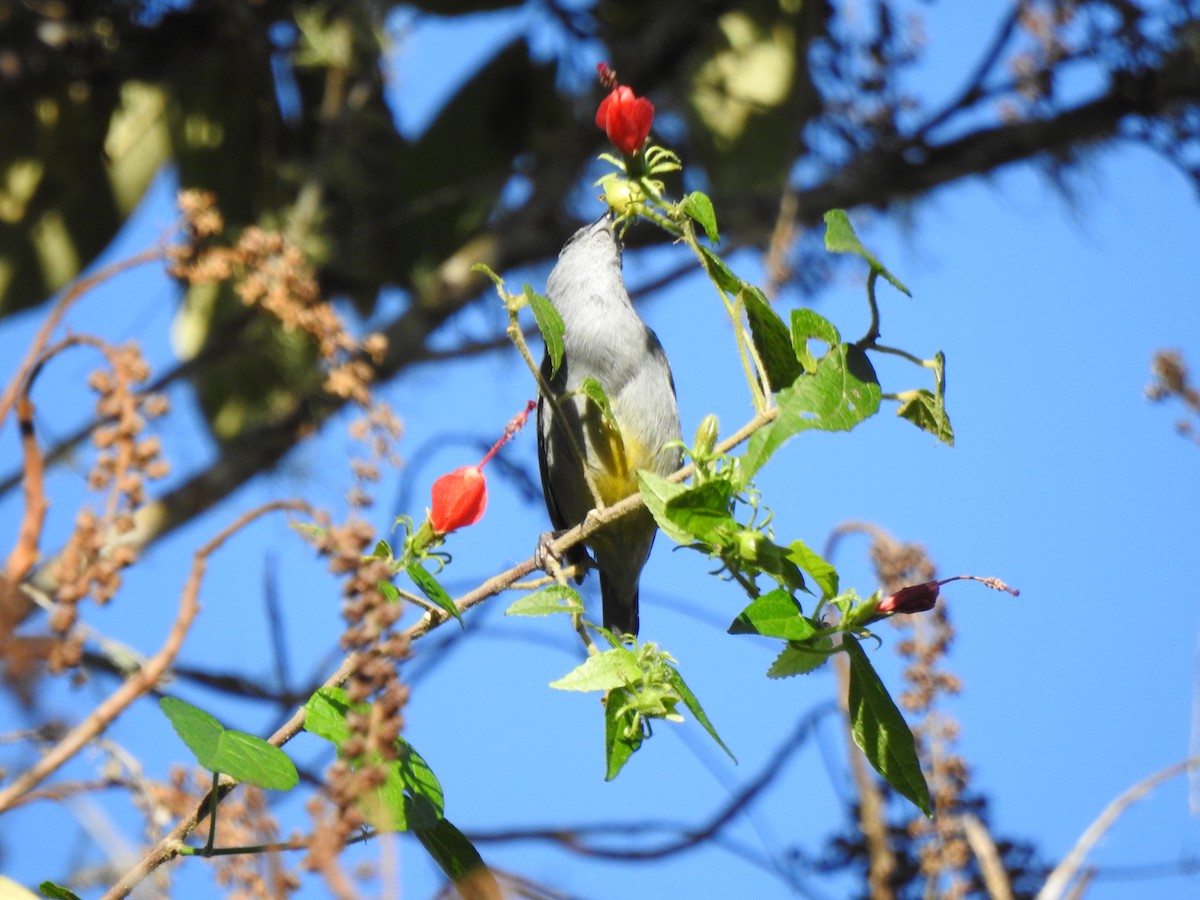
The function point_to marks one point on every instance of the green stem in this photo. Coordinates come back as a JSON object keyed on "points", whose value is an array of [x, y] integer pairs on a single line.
{"points": [[904, 354], [214, 803], [872, 335], [746, 352]]}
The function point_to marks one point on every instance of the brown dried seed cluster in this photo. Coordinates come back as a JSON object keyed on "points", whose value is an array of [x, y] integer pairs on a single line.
{"points": [[379, 429], [945, 855], [274, 275], [94, 556], [370, 632], [244, 820]]}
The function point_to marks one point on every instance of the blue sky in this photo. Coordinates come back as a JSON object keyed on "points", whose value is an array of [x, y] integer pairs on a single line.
{"points": [[1065, 481]]}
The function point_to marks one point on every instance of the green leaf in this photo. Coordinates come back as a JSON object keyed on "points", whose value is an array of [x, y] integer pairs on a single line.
{"points": [[700, 510], [693, 705], [556, 598], [774, 614], [759, 551], [799, 658], [56, 892], [840, 238], [822, 573], [720, 273], [843, 392], [699, 207], [611, 669], [806, 326], [383, 550], [880, 730], [927, 411], [389, 591], [239, 755], [657, 492], [411, 793], [458, 858], [622, 731], [418, 778], [594, 391], [429, 586], [771, 339], [549, 323], [325, 715]]}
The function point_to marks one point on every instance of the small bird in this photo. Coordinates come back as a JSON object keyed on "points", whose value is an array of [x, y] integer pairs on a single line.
{"points": [[604, 339]]}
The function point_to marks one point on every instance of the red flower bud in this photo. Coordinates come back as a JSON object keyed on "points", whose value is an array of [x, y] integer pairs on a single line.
{"points": [[459, 499], [626, 119], [912, 599]]}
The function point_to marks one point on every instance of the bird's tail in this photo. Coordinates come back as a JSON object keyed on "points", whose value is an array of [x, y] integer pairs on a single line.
{"points": [[620, 606]]}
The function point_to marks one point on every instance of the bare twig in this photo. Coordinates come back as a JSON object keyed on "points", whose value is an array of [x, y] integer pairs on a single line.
{"points": [[1059, 880], [145, 678]]}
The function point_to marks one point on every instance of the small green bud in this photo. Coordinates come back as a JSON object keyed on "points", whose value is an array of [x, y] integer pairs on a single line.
{"points": [[749, 545], [706, 437]]}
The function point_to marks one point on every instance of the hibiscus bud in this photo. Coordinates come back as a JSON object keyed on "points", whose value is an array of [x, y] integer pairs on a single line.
{"points": [[913, 599], [706, 436], [459, 499], [626, 119]]}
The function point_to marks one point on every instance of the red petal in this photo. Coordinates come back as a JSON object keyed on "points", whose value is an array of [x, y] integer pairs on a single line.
{"points": [[459, 499]]}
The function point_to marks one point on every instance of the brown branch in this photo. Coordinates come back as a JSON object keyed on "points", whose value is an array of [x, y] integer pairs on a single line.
{"points": [[64, 303], [168, 848], [145, 678], [25, 552]]}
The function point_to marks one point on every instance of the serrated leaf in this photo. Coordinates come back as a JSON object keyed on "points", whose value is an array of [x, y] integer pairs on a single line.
{"points": [[825, 575], [458, 858], [556, 598], [801, 658], [700, 207], [622, 733], [880, 731], [774, 614], [771, 339], [693, 705], [841, 393], [428, 585], [603, 672], [700, 510], [719, 272], [840, 238], [927, 412], [235, 753], [549, 323], [657, 492], [808, 325]]}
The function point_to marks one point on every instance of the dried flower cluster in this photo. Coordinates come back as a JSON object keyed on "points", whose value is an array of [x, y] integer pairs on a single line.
{"points": [[273, 274], [94, 556], [945, 856], [1172, 379], [370, 618], [245, 820], [379, 429]]}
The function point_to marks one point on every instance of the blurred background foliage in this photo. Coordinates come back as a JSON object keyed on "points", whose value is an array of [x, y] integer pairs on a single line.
{"points": [[280, 110]]}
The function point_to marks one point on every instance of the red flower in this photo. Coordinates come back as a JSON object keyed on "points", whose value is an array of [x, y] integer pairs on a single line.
{"points": [[912, 599], [626, 119], [459, 499]]}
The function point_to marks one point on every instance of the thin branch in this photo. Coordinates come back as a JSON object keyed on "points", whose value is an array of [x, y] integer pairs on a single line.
{"points": [[145, 679], [1057, 884]]}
